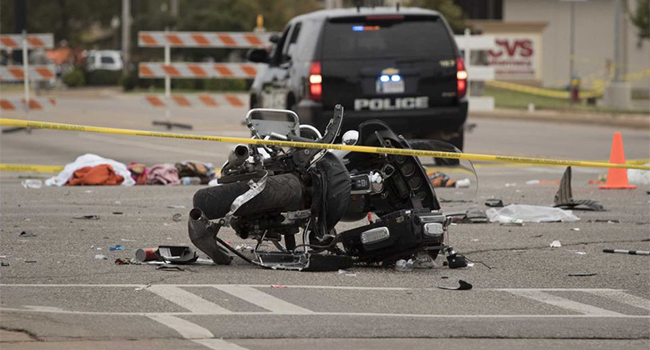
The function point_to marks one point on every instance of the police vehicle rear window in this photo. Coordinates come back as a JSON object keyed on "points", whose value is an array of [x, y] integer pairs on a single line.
{"points": [[386, 37]]}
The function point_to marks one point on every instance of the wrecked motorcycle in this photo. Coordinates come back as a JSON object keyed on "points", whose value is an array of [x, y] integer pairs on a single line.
{"points": [[273, 194]]}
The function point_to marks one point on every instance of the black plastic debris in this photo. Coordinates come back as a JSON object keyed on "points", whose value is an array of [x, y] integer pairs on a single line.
{"points": [[118, 213], [625, 251], [26, 234], [583, 274], [169, 268], [87, 217], [476, 216], [564, 196], [494, 203], [462, 285]]}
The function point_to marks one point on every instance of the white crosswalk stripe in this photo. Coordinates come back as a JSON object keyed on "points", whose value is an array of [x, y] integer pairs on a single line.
{"points": [[187, 300], [262, 299], [564, 303]]}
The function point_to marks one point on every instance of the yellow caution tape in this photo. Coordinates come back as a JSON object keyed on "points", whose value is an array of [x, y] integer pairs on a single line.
{"points": [[362, 149], [31, 168]]}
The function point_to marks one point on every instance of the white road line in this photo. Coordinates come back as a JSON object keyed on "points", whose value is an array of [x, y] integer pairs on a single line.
{"points": [[317, 314], [218, 344], [623, 298], [262, 299], [187, 300], [194, 332], [564, 303], [186, 329]]}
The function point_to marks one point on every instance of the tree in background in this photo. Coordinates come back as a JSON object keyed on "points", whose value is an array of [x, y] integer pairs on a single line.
{"points": [[452, 12], [641, 18]]}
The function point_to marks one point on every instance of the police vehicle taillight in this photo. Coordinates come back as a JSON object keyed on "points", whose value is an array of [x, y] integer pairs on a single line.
{"points": [[461, 77], [315, 82]]}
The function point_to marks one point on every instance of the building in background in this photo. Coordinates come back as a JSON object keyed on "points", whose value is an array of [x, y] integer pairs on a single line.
{"points": [[534, 39]]}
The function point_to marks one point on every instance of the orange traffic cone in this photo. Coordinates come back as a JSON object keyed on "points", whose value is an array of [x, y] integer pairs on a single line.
{"points": [[617, 177]]}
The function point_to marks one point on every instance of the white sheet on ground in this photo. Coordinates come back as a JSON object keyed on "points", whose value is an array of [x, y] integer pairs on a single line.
{"points": [[530, 213], [91, 160]]}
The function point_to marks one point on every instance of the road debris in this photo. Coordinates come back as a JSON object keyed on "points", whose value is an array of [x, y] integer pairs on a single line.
{"points": [[32, 184], [494, 203], [564, 196], [87, 217], [582, 274], [556, 244], [25, 234], [127, 261], [403, 265], [607, 221], [101, 257], [624, 251], [462, 285], [279, 286], [118, 213], [348, 273], [176, 206], [115, 248], [177, 217], [169, 268], [4, 263], [176, 254], [575, 229], [531, 213]]}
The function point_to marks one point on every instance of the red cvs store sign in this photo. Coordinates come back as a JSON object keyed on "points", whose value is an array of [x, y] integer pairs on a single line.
{"points": [[515, 57]]}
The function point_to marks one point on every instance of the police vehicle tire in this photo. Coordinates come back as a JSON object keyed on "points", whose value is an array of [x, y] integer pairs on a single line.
{"points": [[282, 192]]}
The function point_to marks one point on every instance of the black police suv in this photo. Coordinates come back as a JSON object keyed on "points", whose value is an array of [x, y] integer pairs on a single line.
{"points": [[400, 66]]}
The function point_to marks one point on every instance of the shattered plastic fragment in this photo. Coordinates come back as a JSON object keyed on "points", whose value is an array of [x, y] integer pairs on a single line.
{"points": [[32, 183], [556, 244], [27, 234], [404, 266], [176, 206], [101, 257], [575, 229], [279, 286], [177, 217], [462, 285], [169, 268], [347, 273], [116, 247]]}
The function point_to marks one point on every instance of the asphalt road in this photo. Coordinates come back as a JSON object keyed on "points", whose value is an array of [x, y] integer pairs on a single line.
{"points": [[55, 294]]}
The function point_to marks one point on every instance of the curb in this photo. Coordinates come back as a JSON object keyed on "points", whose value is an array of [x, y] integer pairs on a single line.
{"points": [[601, 119]]}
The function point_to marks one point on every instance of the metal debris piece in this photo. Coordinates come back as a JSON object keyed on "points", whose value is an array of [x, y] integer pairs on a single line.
{"points": [[177, 217]]}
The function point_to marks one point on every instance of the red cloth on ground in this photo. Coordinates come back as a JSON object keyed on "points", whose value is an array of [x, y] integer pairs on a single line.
{"points": [[95, 176]]}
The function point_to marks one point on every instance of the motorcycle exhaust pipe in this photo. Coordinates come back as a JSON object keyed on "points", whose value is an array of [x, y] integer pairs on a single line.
{"points": [[238, 156], [203, 234]]}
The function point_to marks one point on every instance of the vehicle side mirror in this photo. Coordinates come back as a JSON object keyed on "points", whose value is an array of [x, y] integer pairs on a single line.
{"points": [[274, 38], [258, 56]]}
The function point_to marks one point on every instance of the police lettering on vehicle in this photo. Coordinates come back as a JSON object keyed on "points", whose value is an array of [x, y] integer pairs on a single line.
{"points": [[387, 104]]}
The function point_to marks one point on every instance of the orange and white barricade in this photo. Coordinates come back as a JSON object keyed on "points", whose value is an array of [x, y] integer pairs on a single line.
{"points": [[34, 41], [18, 104], [199, 100], [203, 39], [198, 70], [36, 73]]}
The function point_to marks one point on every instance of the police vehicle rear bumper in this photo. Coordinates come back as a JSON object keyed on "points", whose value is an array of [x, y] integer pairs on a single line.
{"points": [[416, 121]]}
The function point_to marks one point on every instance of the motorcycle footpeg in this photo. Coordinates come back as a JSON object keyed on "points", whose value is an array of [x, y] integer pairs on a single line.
{"points": [[203, 235]]}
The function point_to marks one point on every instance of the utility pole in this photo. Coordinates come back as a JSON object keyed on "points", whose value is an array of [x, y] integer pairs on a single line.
{"points": [[618, 93], [126, 33]]}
